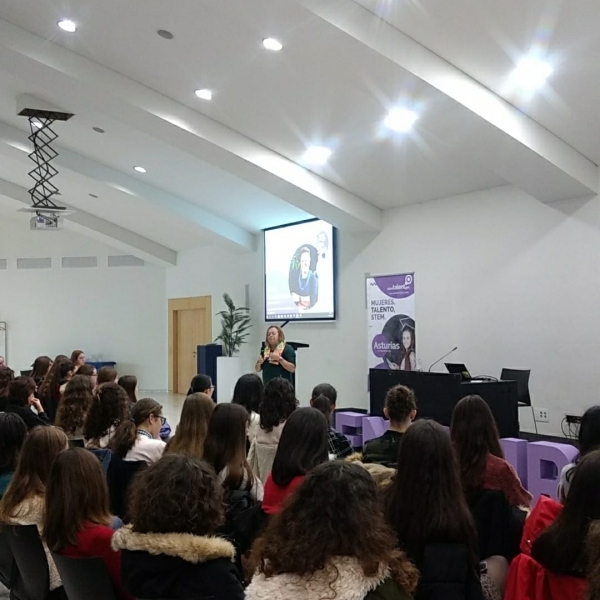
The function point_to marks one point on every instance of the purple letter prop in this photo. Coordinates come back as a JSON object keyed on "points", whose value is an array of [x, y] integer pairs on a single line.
{"points": [[350, 424], [515, 452], [373, 427], [545, 461]]}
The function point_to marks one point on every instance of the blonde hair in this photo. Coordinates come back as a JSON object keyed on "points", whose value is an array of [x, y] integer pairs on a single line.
{"points": [[279, 331]]}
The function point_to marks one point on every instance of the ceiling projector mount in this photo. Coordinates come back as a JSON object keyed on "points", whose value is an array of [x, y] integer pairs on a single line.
{"points": [[41, 115]]}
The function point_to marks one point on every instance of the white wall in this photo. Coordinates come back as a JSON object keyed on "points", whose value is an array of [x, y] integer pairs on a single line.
{"points": [[118, 313], [511, 281]]}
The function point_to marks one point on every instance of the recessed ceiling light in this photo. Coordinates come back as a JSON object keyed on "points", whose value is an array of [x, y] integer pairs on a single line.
{"points": [[317, 155], [204, 94], [98, 129], [530, 74], [140, 169], [167, 35], [401, 119], [272, 44], [68, 26], [93, 196]]}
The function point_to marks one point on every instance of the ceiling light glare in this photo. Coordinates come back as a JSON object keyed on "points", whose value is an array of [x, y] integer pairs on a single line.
{"points": [[140, 169], [204, 94], [272, 44], [530, 74], [401, 120], [317, 155], [68, 26]]}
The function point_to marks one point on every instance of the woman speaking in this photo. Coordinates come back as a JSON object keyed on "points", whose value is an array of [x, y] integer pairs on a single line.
{"points": [[277, 359]]}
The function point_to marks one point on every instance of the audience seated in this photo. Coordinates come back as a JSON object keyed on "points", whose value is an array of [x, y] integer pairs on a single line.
{"points": [[49, 390], [12, 435], [554, 558], [77, 520], [303, 446], [278, 404], [225, 451], [481, 460], [170, 550], [249, 392], [107, 375], [201, 384], [130, 384], [426, 507], [20, 400], [138, 438], [91, 372], [401, 409], [110, 407], [323, 398], [6, 376], [331, 541], [193, 424], [23, 501], [74, 406], [588, 440], [41, 365]]}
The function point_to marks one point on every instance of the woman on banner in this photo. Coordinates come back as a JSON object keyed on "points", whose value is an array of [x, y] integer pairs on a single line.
{"points": [[397, 355], [277, 359], [409, 358]]}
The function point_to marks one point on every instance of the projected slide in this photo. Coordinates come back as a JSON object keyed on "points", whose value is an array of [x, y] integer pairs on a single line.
{"points": [[300, 272]]}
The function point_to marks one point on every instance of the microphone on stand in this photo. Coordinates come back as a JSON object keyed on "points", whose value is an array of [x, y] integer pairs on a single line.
{"points": [[443, 357]]}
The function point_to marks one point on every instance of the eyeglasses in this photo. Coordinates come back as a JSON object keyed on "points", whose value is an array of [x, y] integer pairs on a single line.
{"points": [[163, 420]]}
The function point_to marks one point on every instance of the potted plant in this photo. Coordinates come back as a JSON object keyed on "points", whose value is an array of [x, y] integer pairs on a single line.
{"points": [[235, 326]]}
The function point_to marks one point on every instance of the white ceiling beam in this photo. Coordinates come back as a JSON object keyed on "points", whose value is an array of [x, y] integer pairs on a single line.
{"points": [[86, 85], [110, 233], [85, 167], [496, 133]]}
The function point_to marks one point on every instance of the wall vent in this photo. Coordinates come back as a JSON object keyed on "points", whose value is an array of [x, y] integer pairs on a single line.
{"points": [[34, 263], [125, 261], [79, 262], [2, 264]]}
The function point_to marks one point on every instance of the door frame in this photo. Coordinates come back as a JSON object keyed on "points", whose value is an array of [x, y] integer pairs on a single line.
{"points": [[176, 304]]}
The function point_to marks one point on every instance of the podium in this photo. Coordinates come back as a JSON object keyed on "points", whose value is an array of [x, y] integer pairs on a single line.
{"points": [[438, 393], [296, 346]]}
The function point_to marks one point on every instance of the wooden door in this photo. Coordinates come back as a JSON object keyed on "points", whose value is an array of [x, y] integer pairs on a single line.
{"points": [[190, 325]]}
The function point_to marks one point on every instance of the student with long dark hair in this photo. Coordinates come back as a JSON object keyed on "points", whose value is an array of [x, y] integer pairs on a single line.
{"points": [[20, 400], [12, 435], [249, 392], [588, 440], [41, 365], [225, 450], [192, 428], [331, 540], [426, 507], [77, 520], [6, 376], [23, 502], [171, 549], [49, 393], [138, 438], [74, 406], [480, 457], [110, 407], [278, 404]]}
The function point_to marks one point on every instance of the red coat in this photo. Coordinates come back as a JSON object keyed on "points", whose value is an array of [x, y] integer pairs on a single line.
{"points": [[527, 579], [94, 541]]}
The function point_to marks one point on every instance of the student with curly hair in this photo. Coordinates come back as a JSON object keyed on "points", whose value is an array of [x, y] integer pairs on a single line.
{"points": [[278, 404], [331, 541], [50, 390], [110, 407], [41, 365], [74, 406], [171, 550], [78, 522], [401, 409]]}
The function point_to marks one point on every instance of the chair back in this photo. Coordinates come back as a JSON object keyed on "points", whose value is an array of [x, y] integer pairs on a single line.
{"points": [[84, 578], [32, 580], [521, 376], [119, 478], [26, 373], [6, 560]]}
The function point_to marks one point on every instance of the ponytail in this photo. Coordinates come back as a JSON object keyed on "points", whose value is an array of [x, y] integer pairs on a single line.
{"points": [[323, 404], [126, 434]]}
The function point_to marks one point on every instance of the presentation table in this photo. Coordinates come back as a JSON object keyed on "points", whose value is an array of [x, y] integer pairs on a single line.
{"points": [[438, 393]]}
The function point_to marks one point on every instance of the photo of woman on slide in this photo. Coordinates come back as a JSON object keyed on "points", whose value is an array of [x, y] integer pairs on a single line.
{"points": [[303, 279]]}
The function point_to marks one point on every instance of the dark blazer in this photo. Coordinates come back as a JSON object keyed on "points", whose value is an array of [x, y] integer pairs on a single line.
{"points": [[31, 419], [178, 566]]}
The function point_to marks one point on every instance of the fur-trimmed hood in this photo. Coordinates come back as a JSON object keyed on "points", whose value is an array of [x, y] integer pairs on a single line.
{"points": [[349, 583], [191, 548]]}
